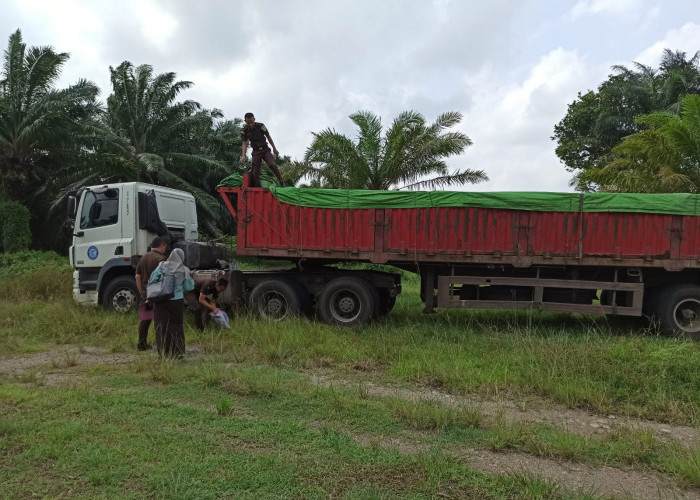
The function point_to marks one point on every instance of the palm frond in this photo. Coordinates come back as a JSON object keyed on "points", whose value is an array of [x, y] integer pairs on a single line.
{"points": [[459, 178]]}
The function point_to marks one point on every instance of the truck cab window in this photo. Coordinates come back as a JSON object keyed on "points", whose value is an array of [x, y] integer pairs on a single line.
{"points": [[100, 209]]}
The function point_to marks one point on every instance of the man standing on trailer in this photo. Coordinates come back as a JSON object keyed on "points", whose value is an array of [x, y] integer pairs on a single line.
{"points": [[256, 133]]}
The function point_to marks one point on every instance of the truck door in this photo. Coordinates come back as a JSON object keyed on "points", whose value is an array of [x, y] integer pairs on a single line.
{"points": [[98, 232]]}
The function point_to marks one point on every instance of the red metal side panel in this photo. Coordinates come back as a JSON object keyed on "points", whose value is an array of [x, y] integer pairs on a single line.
{"points": [[277, 226], [626, 235], [690, 238], [268, 227], [334, 229], [452, 230], [553, 234]]}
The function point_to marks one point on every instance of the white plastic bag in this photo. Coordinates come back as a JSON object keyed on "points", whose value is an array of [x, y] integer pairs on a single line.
{"points": [[221, 318]]}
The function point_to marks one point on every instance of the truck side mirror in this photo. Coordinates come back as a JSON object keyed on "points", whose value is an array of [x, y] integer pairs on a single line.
{"points": [[71, 207]]}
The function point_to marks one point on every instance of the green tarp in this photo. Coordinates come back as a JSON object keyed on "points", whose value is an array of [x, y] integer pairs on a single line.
{"points": [[236, 180], [675, 203]]}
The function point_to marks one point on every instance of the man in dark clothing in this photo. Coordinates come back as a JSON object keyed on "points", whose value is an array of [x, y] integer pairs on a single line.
{"points": [[256, 133], [206, 302], [144, 268]]}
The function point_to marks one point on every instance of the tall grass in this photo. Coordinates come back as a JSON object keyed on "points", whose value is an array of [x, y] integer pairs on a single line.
{"points": [[577, 360]]}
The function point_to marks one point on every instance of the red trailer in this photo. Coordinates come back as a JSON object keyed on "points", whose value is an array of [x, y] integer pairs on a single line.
{"points": [[615, 254]]}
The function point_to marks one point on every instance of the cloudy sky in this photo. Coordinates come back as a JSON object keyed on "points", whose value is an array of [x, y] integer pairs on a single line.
{"points": [[510, 66]]}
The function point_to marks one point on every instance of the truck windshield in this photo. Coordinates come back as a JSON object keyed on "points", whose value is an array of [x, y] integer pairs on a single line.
{"points": [[99, 209]]}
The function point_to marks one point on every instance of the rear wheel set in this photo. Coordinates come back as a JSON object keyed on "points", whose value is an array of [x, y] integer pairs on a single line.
{"points": [[348, 301], [278, 299], [344, 301]]}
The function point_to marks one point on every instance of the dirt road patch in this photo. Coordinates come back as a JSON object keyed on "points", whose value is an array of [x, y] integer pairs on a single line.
{"points": [[536, 411], [606, 482]]}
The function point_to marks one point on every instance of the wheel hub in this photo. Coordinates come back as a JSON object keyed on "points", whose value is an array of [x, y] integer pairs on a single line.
{"points": [[686, 315], [274, 306], [123, 300], [346, 305]]}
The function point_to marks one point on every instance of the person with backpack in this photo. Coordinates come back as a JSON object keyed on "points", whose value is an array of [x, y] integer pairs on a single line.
{"points": [[168, 315]]}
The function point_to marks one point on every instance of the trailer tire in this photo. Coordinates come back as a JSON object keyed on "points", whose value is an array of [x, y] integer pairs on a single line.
{"points": [[348, 301], [677, 310], [275, 300], [121, 294]]}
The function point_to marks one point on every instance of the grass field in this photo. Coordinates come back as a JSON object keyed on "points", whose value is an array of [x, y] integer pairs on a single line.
{"points": [[293, 410]]}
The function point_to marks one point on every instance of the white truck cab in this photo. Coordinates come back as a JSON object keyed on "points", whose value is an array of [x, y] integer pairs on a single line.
{"points": [[113, 226]]}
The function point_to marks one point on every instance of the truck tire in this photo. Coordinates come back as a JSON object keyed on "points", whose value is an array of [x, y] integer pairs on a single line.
{"points": [[677, 310], [348, 301], [275, 300], [121, 294]]}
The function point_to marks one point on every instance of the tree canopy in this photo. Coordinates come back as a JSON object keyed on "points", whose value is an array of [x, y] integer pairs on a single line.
{"points": [[54, 140], [663, 157], [41, 127], [596, 122], [148, 135], [402, 157], [162, 133]]}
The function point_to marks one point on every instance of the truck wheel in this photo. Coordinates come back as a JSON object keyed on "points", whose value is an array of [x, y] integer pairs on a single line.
{"points": [[275, 300], [348, 301], [677, 309], [121, 294]]}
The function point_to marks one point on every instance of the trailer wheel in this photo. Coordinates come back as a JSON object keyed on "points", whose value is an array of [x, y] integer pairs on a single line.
{"points": [[275, 300], [677, 309], [348, 301], [121, 294]]}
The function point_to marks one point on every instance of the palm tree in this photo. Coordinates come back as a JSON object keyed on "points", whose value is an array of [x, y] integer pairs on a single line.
{"points": [[631, 93], [164, 136], [403, 157], [596, 122], [663, 157], [41, 127]]}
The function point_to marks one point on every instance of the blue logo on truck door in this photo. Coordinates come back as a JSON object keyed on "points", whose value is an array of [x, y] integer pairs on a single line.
{"points": [[92, 253]]}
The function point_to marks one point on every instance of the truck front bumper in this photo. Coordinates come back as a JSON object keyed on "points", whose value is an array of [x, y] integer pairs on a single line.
{"points": [[85, 298]]}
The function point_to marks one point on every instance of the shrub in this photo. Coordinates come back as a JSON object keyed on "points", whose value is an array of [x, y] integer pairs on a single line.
{"points": [[20, 263], [15, 234]]}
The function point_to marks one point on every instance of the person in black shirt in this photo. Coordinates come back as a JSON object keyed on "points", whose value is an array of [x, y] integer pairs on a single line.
{"points": [[206, 302], [257, 134], [210, 292]]}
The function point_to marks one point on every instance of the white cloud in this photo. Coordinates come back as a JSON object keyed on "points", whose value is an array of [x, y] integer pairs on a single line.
{"points": [[686, 39], [554, 71], [511, 124], [592, 7], [157, 25], [649, 19]]}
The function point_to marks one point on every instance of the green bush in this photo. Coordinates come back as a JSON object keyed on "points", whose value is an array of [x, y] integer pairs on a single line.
{"points": [[47, 283], [17, 264], [14, 227]]}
